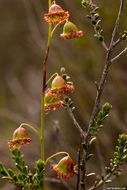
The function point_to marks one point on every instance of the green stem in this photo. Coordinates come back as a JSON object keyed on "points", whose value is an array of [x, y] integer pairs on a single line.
{"points": [[55, 74], [43, 90], [43, 93], [58, 153], [25, 124], [55, 28]]}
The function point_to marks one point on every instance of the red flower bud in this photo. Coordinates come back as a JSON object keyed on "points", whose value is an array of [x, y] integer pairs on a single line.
{"points": [[70, 30], [65, 168], [20, 137], [56, 14]]}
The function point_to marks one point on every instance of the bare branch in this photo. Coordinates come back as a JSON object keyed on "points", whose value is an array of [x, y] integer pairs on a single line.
{"points": [[100, 90], [117, 42], [82, 133], [104, 45], [121, 53], [106, 69], [79, 158], [115, 31]]}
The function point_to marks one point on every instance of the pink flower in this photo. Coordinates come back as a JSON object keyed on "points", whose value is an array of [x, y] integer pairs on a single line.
{"points": [[70, 30], [56, 14], [65, 168], [20, 137], [51, 101]]}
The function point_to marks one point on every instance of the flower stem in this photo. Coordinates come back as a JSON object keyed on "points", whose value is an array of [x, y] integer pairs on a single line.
{"points": [[25, 124], [42, 96], [55, 74], [58, 153], [43, 90], [55, 27]]}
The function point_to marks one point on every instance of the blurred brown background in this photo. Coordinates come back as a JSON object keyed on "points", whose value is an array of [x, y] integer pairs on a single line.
{"points": [[23, 37]]}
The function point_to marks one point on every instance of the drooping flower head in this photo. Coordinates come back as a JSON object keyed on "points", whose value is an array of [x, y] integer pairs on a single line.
{"points": [[56, 14], [20, 137], [70, 30], [51, 101], [65, 168], [59, 86]]}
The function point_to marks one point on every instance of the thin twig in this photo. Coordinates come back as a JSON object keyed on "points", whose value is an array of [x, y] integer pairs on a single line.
{"points": [[82, 133], [117, 57], [92, 6], [100, 157], [102, 182], [117, 42], [116, 28], [79, 159], [103, 43]]}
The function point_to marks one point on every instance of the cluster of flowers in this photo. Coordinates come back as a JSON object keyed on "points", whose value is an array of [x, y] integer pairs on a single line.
{"points": [[59, 88], [57, 15], [65, 167], [54, 96]]}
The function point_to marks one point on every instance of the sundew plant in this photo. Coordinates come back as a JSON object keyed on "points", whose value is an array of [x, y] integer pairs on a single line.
{"points": [[55, 94]]}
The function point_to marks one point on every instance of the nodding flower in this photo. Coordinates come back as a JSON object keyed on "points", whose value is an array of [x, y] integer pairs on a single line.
{"points": [[20, 137], [51, 101], [56, 14], [70, 30], [65, 168], [59, 86]]}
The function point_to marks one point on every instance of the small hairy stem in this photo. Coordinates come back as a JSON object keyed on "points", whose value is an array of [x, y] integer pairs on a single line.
{"points": [[102, 182], [43, 89], [82, 133], [54, 155], [43, 93], [25, 124], [117, 42], [92, 6], [55, 74], [116, 28], [79, 158], [42, 97], [55, 27], [117, 57]]}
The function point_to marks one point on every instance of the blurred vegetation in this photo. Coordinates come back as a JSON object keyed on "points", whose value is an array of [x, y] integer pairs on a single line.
{"points": [[23, 37]]}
